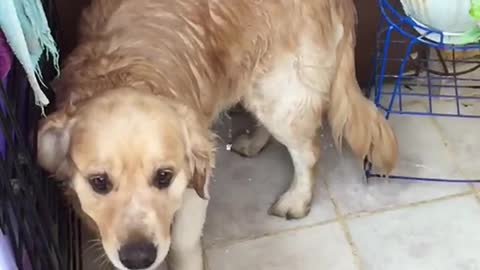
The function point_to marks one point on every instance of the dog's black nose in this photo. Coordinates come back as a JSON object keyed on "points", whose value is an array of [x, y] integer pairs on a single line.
{"points": [[138, 255]]}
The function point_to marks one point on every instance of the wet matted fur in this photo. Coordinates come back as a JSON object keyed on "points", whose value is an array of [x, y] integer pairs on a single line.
{"points": [[137, 97]]}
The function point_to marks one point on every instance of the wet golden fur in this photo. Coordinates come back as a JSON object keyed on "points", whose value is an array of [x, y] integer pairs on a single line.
{"points": [[149, 77]]}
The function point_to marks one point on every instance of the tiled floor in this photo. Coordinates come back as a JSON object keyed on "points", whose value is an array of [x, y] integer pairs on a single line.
{"points": [[379, 225], [354, 225]]}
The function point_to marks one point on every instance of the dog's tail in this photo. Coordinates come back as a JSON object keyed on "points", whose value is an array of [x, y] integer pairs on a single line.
{"points": [[356, 119]]}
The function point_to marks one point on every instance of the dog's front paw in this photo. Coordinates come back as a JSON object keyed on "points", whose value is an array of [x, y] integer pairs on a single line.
{"points": [[292, 205], [186, 258]]}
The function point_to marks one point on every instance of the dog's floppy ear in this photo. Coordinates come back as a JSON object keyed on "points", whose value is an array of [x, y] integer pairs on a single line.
{"points": [[53, 141], [201, 158], [200, 154]]}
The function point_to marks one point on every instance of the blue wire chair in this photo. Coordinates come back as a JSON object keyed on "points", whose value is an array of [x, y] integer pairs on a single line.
{"points": [[394, 23]]}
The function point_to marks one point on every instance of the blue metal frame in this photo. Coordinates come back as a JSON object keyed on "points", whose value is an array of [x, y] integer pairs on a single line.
{"points": [[394, 21]]}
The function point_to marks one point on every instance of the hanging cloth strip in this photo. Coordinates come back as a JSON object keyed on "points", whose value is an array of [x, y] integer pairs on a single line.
{"points": [[27, 32], [6, 57]]}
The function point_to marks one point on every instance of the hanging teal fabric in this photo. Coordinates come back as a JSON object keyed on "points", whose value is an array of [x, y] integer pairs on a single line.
{"points": [[26, 29]]}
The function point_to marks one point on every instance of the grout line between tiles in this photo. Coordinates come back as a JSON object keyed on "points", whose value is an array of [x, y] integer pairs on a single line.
{"points": [[267, 235], [346, 217], [475, 193], [454, 154], [342, 219], [406, 206], [451, 153], [344, 226], [206, 264]]}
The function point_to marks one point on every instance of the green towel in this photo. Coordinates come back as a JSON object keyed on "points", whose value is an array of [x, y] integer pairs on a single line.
{"points": [[26, 29]]}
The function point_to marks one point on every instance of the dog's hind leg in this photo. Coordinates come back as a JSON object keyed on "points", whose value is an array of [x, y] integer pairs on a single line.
{"points": [[300, 137], [304, 150], [292, 113]]}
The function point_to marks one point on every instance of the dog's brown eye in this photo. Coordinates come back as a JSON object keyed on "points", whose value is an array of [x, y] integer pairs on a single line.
{"points": [[162, 178], [100, 183]]}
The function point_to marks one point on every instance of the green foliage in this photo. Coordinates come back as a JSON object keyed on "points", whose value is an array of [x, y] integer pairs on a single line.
{"points": [[475, 9], [473, 35]]}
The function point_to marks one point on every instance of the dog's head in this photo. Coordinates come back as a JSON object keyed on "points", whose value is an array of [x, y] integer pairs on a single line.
{"points": [[129, 156]]}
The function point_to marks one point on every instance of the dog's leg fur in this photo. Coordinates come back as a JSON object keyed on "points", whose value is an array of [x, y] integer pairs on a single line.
{"points": [[186, 250], [304, 150], [296, 201], [291, 111], [250, 145], [355, 119]]}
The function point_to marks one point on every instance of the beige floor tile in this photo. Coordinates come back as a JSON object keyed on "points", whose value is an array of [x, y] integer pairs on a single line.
{"points": [[437, 236], [319, 248]]}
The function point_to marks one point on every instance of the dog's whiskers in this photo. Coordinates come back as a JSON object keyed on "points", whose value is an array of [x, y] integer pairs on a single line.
{"points": [[104, 262], [95, 246]]}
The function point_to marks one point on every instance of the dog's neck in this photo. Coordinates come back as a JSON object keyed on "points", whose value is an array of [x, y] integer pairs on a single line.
{"points": [[203, 60]]}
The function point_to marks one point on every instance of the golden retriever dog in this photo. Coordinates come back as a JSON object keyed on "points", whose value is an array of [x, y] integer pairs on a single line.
{"points": [[137, 98]]}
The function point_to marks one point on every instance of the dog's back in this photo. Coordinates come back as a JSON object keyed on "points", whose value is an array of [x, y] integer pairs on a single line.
{"points": [[213, 53], [223, 44], [170, 66]]}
